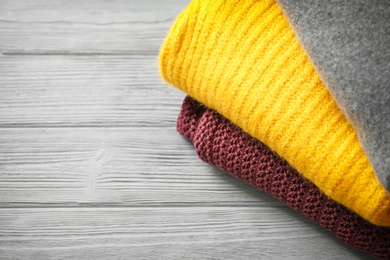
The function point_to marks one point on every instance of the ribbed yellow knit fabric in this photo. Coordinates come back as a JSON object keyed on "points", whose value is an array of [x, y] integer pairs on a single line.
{"points": [[241, 58]]}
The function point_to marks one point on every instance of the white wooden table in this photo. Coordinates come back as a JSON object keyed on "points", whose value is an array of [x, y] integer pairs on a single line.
{"points": [[91, 166]]}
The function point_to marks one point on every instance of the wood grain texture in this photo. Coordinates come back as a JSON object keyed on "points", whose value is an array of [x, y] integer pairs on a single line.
{"points": [[85, 91], [171, 233], [91, 166], [112, 166], [85, 27]]}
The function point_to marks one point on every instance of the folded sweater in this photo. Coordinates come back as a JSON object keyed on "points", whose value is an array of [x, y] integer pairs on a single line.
{"points": [[241, 58], [224, 145], [348, 42]]}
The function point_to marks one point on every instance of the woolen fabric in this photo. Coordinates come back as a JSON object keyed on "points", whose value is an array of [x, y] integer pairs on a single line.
{"points": [[242, 59], [348, 42], [220, 143]]}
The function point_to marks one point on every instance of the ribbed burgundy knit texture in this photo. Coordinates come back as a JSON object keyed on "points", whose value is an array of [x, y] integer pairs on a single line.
{"points": [[220, 143]]}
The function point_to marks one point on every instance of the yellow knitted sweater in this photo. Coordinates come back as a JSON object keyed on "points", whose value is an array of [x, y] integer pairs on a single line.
{"points": [[241, 58]]}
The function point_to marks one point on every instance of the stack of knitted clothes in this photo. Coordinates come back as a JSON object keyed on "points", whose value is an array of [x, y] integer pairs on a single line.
{"points": [[293, 97]]}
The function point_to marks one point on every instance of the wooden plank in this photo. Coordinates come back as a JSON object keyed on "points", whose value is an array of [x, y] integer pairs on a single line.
{"points": [[58, 91], [90, 163], [169, 233], [87, 27], [112, 166]]}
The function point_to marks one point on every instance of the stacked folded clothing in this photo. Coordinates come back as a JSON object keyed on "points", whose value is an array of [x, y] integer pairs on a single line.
{"points": [[243, 60], [348, 43], [220, 143]]}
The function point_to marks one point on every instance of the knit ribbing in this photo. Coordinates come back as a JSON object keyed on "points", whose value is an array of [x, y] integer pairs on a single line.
{"points": [[242, 59], [224, 145], [348, 44]]}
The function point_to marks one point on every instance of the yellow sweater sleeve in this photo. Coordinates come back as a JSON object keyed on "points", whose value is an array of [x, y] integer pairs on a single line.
{"points": [[241, 58]]}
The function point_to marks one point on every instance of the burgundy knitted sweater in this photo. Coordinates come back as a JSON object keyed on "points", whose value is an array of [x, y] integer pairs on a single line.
{"points": [[220, 143]]}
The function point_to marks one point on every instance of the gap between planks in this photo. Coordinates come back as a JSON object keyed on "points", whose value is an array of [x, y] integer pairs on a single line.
{"points": [[129, 53]]}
